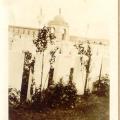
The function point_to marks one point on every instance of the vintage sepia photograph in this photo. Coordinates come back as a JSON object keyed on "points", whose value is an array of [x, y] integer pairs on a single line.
{"points": [[59, 59]]}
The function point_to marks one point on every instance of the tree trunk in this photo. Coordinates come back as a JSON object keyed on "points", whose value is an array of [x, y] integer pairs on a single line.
{"points": [[100, 73], [71, 75], [87, 74], [50, 80], [85, 83], [25, 79], [42, 74]]}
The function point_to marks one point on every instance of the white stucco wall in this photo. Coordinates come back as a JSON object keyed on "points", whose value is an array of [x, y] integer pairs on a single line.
{"points": [[64, 61]]}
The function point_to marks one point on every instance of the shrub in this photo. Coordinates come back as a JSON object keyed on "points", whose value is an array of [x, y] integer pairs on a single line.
{"points": [[53, 95], [37, 100], [62, 96], [101, 87], [56, 96], [70, 95], [14, 97]]}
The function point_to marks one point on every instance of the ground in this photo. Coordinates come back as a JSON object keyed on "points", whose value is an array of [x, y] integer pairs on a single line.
{"points": [[95, 108]]}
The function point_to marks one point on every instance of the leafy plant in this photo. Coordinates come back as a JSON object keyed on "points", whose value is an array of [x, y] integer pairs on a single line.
{"points": [[69, 96], [36, 99], [53, 96], [14, 97], [101, 87], [45, 36], [86, 63], [56, 96]]}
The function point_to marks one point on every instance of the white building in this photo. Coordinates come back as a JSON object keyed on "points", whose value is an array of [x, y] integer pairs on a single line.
{"points": [[67, 57]]}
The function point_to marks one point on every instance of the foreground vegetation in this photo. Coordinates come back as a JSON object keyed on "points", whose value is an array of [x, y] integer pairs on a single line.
{"points": [[61, 102], [94, 108]]}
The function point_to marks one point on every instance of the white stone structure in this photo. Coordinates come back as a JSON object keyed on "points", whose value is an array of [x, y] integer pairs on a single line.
{"points": [[67, 57]]}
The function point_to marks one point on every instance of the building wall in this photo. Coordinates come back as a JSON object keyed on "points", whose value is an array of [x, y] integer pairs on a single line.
{"points": [[21, 39]]}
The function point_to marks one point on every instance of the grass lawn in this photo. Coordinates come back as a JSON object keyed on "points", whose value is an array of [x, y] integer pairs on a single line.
{"points": [[95, 108]]}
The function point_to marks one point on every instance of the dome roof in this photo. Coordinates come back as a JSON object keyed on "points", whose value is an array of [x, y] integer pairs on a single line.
{"points": [[58, 20]]}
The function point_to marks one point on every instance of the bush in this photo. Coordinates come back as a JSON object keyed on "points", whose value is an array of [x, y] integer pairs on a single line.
{"points": [[101, 87], [70, 95], [37, 100], [56, 96], [53, 95], [14, 97]]}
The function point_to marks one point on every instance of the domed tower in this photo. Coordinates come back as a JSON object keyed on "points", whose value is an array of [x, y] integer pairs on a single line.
{"points": [[60, 27]]}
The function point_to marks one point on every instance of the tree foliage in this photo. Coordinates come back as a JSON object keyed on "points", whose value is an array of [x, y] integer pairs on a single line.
{"points": [[52, 54], [86, 63], [45, 36]]}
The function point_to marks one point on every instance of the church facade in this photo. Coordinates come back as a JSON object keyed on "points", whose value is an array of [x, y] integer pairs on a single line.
{"points": [[67, 61]]}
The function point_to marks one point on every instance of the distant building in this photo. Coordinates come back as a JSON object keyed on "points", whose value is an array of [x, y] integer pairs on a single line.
{"points": [[67, 57]]}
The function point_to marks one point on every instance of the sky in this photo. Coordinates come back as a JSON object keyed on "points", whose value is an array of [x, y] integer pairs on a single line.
{"points": [[86, 18]]}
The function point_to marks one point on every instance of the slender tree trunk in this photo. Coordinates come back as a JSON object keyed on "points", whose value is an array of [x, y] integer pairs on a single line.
{"points": [[100, 73], [25, 81], [85, 83], [42, 74], [87, 73], [71, 75], [50, 79]]}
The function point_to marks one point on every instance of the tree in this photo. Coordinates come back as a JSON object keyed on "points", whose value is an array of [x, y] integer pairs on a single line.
{"points": [[52, 60], [25, 76], [82, 51], [45, 36], [101, 86], [87, 66]]}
